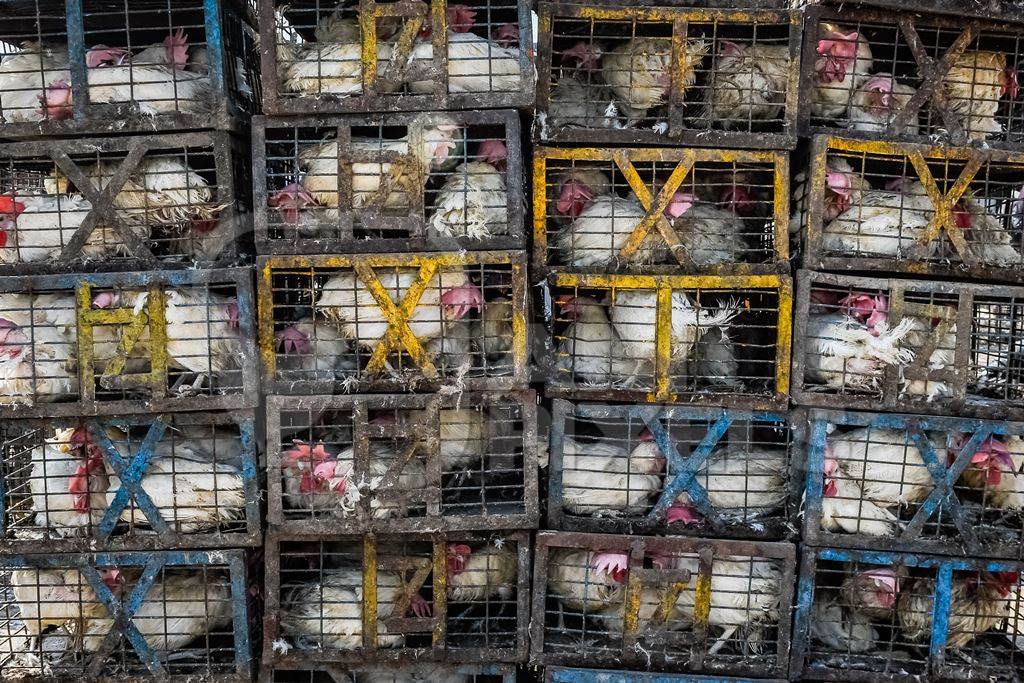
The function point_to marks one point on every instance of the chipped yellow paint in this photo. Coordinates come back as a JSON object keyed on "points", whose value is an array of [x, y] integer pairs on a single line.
{"points": [[701, 601], [943, 218], [784, 337], [520, 329], [368, 14], [370, 591], [440, 590], [540, 209], [631, 613], [265, 319], [663, 343], [780, 204], [630, 281], [597, 13], [655, 210]]}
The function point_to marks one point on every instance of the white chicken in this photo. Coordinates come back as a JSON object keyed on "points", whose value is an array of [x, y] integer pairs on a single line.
{"points": [[708, 234], [572, 190], [844, 507], [463, 438], [973, 87], [601, 230], [589, 348], [473, 201], [573, 103], [884, 463], [881, 223], [995, 468], [312, 346], [747, 84], [843, 189], [987, 240], [68, 482], [639, 72], [494, 334], [24, 77], [37, 363], [478, 575], [586, 582], [872, 592], [877, 102], [601, 479], [36, 228], [54, 597], [835, 626], [844, 62]]}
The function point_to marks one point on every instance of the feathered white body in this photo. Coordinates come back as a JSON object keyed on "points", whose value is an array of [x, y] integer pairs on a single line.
{"points": [[48, 223], [54, 464], [575, 104], [602, 229], [831, 99], [883, 223], [839, 628], [200, 334], [988, 241], [843, 354], [581, 587], [333, 68], [748, 83], [463, 437], [328, 349], [52, 597], [489, 571], [475, 65], [602, 479], [590, 349], [472, 203], [41, 370], [884, 463], [942, 358], [493, 334], [710, 235], [155, 89], [637, 72], [24, 76], [973, 86], [848, 510], [743, 482]]}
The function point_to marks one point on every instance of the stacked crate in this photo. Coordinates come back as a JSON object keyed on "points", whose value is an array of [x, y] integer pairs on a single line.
{"points": [[660, 246], [392, 287], [128, 481], [909, 346]]}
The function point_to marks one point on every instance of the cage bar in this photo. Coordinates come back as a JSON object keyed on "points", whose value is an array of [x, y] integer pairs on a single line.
{"points": [[155, 201], [908, 345], [686, 471], [662, 604], [671, 338], [658, 210], [558, 674], [328, 56], [402, 463], [96, 66], [393, 322], [491, 673], [389, 183], [177, 616], [869, 616], [637, 75], [127, 343], [914, 76], [403, 599]]}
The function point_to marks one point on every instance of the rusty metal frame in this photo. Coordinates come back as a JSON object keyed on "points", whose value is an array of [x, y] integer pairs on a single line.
{"points": [[955, 377], [230, 189], [942, 222], [665, 285], [415, 221], [636, 547], [122, 610], [152, 316], [440, 651], [424, 437], [937, 669], [379, 87], [678, 18], [102, 536], [340, 674], [399, 337], [685, 160], [719, 421], [558, 674], [906, 20], [995, 10]]}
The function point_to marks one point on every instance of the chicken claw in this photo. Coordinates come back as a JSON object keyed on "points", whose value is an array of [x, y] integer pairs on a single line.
{"points": [[420, 607]]}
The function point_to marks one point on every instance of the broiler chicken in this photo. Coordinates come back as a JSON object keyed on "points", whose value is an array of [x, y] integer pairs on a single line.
{"points": [[840, 628], [24, 78], [575, 103], [313, 346], [602, 479], [652, 613], [57, 596], [873, 592], [708, 234], [69, 482], [572, 189], [845, 508], [885, 463], [590, 349], [881, 223], [987, 240], [36, 362], [844, 62], [473, 202], [995, 469], [478, 575], [877, 102], [36, 228], [973, 87], [494, 334], [977, 603], [639, 72], [747, 84], [843, 189], [601, 230], [586, 582]]}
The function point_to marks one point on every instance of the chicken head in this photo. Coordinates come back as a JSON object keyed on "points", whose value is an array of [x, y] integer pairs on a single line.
{"points": [[304, 458], [457, 558], [840, 193], [493, 152], [290, 200], [738, 200], [877, 588], [13, 341], [1010, 87], [292, 340], [573, 198], [56, 100], [10, 209], [100, 56], [458, 301], [91, 468], [837, 51], [880, 97], [460, 20], [831, 467], [992, 458], [176, 47], [615, 565], [872, 311], [997, 583], [587, 55], [506, 35]]}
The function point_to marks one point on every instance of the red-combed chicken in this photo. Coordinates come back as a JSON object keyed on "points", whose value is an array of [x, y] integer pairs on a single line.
{"points": [[602, 479], [995, 468], [844, 62], [709, 235], [313, 345], [978, 602], [602, 229], [882, 223], [37, 361], [55, 597], [578, 102], [873, 592], [473, 201], [987, 240], [845, 508], [651, 608], [35, 228], [884, 463], [590, 349], [24, 77], [843, 189], [973, 87], [587, 582], [478, 575], [572, 190], [69, 482], [877, 102], [748, 84], [639, 72]]}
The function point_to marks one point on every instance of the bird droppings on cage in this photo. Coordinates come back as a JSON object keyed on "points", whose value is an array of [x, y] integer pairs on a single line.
{"points": [[128, 342], [422, 673], [402, 462], [719, 211], [655, 75], [724, 473], [662, 604], [909, 345], [402, 322], [671, 338], [186, 616], [111, 67], [400, 182], [912, 76], [457, 597], [870, 616], [911, 208], [331, 56], [89, 484]]}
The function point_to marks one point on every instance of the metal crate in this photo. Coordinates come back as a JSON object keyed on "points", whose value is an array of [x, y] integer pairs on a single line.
{"points": [[127, 343], [587, 92], [557, 674], [1008, 10], [911, 208], [177, 616], [131, 55], [453, 610], [408, 463], [143, 202], [914, 618], [328, 56], [686, 471], [140, 482], [344, 184], [951, 83], [662, 604], [740, 202], [636, 356], [909, 345], [488, 673], [406, 337]]}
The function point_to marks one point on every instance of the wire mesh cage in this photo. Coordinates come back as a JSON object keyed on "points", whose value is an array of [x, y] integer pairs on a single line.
{"points": [[407, 462], [685, 471], [558, 674], [171, 481], [440, 673], [912, 76], [671, 338], [126, 343], [880, 616], [178, 616], [663, 604], [120, 203], [656, 210], [912, 208], [909, 345], [105, 66], [454, 598], [399, 182], [656, 75], [924, 484], [335, 56], [396, 322]]}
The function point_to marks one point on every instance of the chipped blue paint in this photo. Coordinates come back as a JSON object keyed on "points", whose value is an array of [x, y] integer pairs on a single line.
{"points": [[239, 593], [685, 470], [814, 488], [247, 433], [76, 55], [131, 478], [940, 615], [215, 49], [560, 675]]}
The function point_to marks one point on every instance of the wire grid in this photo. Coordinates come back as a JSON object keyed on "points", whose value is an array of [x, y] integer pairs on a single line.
{"points": [[401, 674]]}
